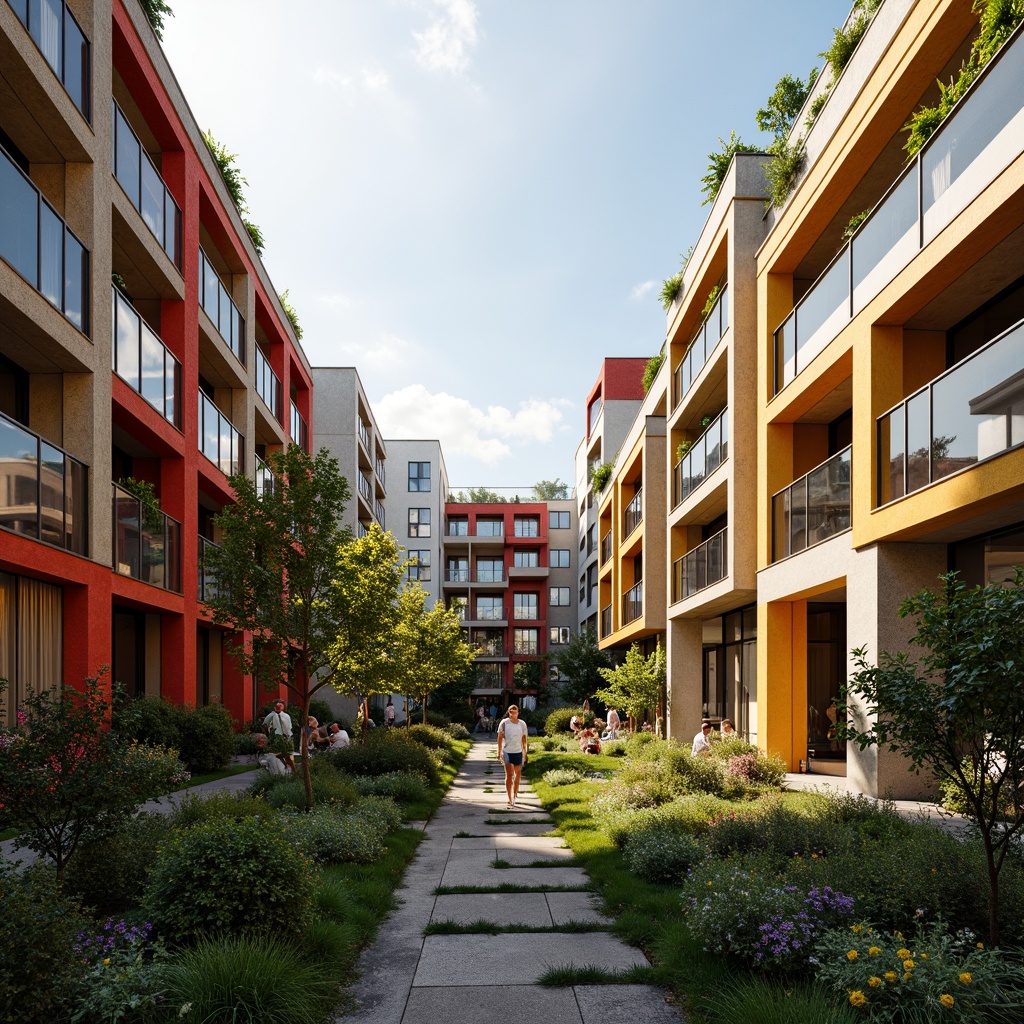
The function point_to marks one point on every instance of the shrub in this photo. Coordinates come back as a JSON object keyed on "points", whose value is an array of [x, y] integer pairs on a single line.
{"points": [[758, 769], [289, 791], [247, 980], [653, 779], [772, 829], [207, 737], [384, 753], [241, 876], [335, 836], [559, 719], [196, 810], [110, 873], [245, 744], [430, 736], [563, 777], [612, 748], [457, 731], [403, 787], [758, 1000], [38, 966], [639, 740], [661, 852]]}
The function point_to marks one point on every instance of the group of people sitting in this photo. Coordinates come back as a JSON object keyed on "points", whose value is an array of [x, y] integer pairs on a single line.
{"points": [[702, 741], [278, 725], [590, 736]]}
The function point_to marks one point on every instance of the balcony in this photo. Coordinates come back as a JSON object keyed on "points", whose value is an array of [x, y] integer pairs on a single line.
{"points": [[144, 362], [977, 141], [526, 527], [298, 431], [147, 543], [42, 489], [634, 514], [704, 456], [972, 412], [633, 604], [62, 43], [606, 547], [812, 509], [364, 435], [485, 529], [606, 621], [490, 614], [41, 247], [704, 343], [207, 589], [219, 441], [143, 185], [265, 482], [458, 527], [700, 567], [489, 576], [378, 468], [378, 511], [217, 302], [268, 384], [364, 488], [526, 648]]}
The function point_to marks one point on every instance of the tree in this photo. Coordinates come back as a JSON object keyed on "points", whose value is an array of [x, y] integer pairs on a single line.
{"points": [[779, 113], [550, 490], [719, 164], [429, 649], [636, 684], [156, 11], [65, 777], [275, 572], [580, 664], [956, 711]]}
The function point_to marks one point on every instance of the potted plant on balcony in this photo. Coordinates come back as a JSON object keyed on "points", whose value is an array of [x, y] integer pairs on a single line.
{"points": [[600, 475], [682, 448]]}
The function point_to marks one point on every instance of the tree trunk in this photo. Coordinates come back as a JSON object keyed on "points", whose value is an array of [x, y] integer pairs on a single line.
{"points": [[993, 889]]}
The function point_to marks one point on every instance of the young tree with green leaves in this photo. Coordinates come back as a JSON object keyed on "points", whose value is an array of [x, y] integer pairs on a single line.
{"points": [[579, 664], [550, 490], [276, 569], [955, 712], [636, 684]]}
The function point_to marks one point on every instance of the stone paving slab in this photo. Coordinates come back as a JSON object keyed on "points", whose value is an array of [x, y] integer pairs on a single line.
{"points": [[523, 957], [538, 845], [464, 1005], [526, 857], [523, 908], [541, 829], [600, 1004], [481, 871], [575, 907]]}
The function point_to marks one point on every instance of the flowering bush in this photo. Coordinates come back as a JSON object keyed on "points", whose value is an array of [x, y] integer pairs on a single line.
{"points": [[563, 777], [935, 976], [756, 768], [736, 907]]}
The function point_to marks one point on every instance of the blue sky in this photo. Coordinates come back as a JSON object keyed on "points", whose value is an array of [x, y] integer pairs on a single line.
{"points": [[475, 201]]}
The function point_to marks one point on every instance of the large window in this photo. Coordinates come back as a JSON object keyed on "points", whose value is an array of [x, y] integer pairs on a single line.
{"points": [[490, 527], [458, 526], [490, 570], [419, 569], [559, 558], [419, 476], [489, 608], [526, 559], [459, 605], [526, 606], [559, 597], [559, 520], [527, 526], [559, 636], [419, 522], [525, 641]]}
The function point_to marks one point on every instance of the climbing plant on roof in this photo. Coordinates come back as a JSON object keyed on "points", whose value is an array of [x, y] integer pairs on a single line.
{"points": [[234, 180]]}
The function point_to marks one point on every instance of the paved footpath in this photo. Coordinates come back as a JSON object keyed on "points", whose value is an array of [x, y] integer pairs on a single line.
{"points": [[473, 840]]}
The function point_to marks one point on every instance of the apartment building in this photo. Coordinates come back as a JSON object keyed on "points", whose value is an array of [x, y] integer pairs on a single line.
{"points": [[180, 372], [611, 406], [890, 402], [345, 425], [510, 573], [711, 451]]}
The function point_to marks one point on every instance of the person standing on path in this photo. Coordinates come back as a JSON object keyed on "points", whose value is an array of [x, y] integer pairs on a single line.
{"points": [[512, 744], [278, 722]]}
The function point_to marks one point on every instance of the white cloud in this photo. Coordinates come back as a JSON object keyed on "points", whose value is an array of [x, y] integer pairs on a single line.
{"points": [[463, 428], [364, 81], [446, 43], [387, 352], [642, 290]]}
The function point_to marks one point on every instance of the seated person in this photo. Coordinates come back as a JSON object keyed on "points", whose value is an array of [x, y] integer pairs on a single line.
{"points": [[274, 763], [575, 724], [701, 742], [339, 738], [589, 743], [612, 732], [727, 729]]}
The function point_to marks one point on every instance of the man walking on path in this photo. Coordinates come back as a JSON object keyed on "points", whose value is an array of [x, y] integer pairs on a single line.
{"points": [[512, 751]]}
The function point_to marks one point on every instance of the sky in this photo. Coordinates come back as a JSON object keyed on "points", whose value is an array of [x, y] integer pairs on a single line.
{"points": [[474, 202]]}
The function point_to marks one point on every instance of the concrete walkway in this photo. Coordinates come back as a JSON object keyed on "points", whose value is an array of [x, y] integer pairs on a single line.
{"points": [[473, 840]]}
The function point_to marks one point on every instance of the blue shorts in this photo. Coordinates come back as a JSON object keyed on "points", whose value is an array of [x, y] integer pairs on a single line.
{"points": [[516, 759]]}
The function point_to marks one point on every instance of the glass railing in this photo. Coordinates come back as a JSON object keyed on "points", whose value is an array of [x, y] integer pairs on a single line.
{"points": [[458, 528], [268, 384], [489, 648], [362, 530], [378, 467], [977, 141], [42, 489], [206, 579], [972, 412], [704, 456], [633, 604], [218, 439], [298, 431], [265, 482], [143, 185], [364, 434], [487, 614], [364, 487], [812, 509], [698, 569], [704, 343], [526, 647], [62, 43], [634, 514], [220, 308], [147, 542], [378, 511], [606, 547], [456, 576], [489, 530], [489, 575], [606, 621], [144, 362], [41, 247]]}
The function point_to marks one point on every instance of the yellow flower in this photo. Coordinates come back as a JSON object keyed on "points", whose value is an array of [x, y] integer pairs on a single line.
{"points": [[908, 965], [924, 956], [857, 998], [852, 955], [874, 951], [981, 945], [890, 975], [965, 978], [947, 1000], [107, 961], [856, 928], [907, 977], [904, 954], [874, 982]]}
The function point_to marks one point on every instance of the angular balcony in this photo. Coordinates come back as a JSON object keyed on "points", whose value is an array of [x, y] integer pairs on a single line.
{"points": [[606, 547], [147, 543], [701, 347], [62, 43], [702, 458], [220, 308], [814, 508], [219, 441], [972, 412], [207, 582], [633, 604], [634, 514], [43, 490], [144, 362], [143, 185], [268, 384], [982, 135], [37, 243], [298, 431], [701, 567], [606, 621]]}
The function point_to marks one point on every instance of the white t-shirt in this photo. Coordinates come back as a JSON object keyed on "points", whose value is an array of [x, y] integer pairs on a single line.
{"points": [[700, 743], [513, 734], [339, 740], [278, 723]]}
